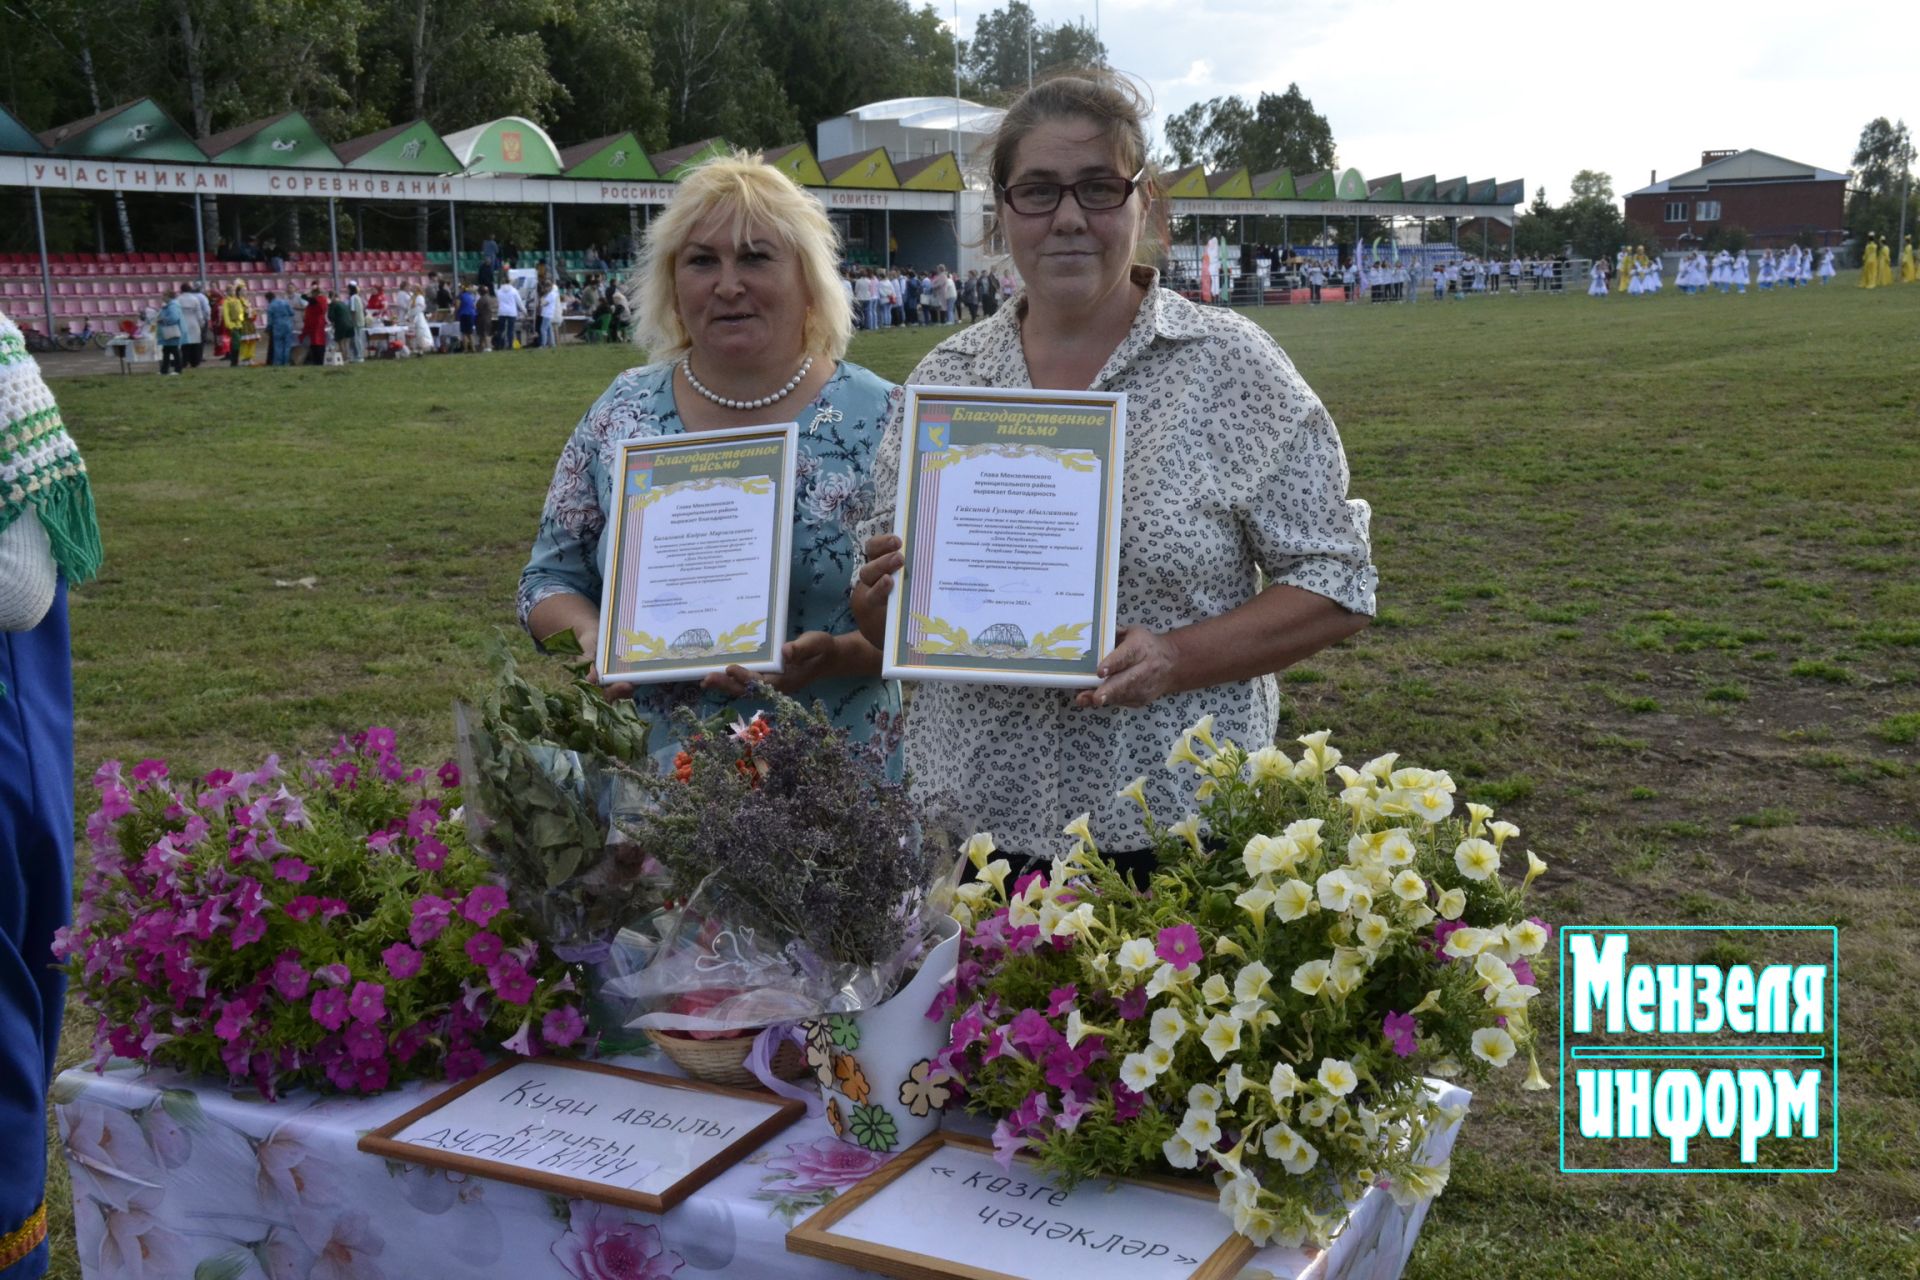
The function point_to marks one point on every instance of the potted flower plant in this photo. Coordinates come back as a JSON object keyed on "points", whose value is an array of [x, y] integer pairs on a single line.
{"points": [[328, 929], [1314, 939]]}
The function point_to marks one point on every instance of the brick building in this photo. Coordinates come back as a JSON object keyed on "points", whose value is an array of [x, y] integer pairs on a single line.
{"points": [[1774, 199]]}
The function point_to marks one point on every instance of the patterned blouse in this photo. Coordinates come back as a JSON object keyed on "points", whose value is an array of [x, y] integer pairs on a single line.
{"points": [[839, 432], [1233, 468]]}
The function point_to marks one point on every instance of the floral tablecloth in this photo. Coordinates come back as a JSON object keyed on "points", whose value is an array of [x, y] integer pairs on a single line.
{"points": [[175, 1177]]}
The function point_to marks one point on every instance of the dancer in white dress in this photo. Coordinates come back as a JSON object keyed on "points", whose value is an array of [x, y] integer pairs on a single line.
{"points": [[1723, 271], [1653, 274], [1596, 280], [1826, 265], [419, 332], [1742, 271]]}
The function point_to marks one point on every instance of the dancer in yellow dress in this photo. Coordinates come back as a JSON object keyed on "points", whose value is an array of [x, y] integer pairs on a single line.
{"points": [[1886, 263], [1908, 271], [1869, 262], [1621, 272]]}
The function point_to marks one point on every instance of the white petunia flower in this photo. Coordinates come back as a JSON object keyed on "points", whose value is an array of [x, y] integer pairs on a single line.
{"points": [[1188, 829], [1280, 1141], [1136, 956], [1079, 829], [1222, 1035], [1076, 1027], [1396, 849], [1420, 916], [1372, 931], [1527, 937], [1234, 1082], [1158, 1056], [1430, 804], [1136, 1073], [1293, 900], [1337, 1076], [1167, 1027], [1165, 979], [1493, 1045], [1270, 764], [1502, 832], [1215, 990], [1283, 1083], [1256, 901], [1135, 791], [1492, 970], [1263, 855], [1453, 904], [1477, 859], [1334, 889], [978, 848], [1534, 868], [1466, 941], [1316, 1111], [1310, 977], [995, 873], [1301, 1159], [1200, 1127], [1180, 1153], [1477, 815], [1203, 1097], [1252, 981], [1409, 887]]}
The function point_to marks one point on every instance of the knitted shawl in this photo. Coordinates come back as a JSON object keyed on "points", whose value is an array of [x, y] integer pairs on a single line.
{"points": [[40, 465]]}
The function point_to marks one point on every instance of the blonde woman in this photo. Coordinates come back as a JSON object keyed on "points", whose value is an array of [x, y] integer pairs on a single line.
{"points": [[744, 323]]}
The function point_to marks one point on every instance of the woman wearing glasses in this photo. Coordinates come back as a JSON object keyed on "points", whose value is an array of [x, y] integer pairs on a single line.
{"points": [[1234, 470]]}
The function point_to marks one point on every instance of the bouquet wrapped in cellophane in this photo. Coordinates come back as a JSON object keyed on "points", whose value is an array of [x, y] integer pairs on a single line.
{"points": [[806, 883]]}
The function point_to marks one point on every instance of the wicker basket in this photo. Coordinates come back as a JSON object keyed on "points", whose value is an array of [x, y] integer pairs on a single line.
{"points": [[725, 1061]]}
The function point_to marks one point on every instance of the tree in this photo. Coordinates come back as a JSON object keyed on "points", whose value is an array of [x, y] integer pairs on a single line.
{"points": [[1591, 184], [602, 52], [715, 80], [1281, 131], [834, 55], [1287, 133], [1880, 165], [1010, 50]]}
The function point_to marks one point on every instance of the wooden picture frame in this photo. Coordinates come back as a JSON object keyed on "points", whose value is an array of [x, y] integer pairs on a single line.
{"points": [[781, 1112], [816, 1238]]}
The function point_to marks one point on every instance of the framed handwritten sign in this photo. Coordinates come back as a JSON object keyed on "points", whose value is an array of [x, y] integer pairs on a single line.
{"points": [[587, 1130], [945, 1208]]}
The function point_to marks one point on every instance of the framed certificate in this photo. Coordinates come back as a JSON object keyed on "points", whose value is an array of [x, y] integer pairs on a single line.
{"points": [[1009, 516], [697, 571]]}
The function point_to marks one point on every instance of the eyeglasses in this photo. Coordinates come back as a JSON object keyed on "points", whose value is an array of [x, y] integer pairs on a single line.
{"points": [[1091, 194]]}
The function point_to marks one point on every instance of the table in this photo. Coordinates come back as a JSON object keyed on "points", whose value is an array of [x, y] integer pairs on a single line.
{"points": [[176, 1176], [133, 350]]}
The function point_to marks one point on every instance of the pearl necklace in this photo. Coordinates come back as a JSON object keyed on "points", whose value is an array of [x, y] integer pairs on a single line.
{"points": [[686, 367]]}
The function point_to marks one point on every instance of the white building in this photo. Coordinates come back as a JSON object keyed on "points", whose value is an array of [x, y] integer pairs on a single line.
{"points": [[911, 129]]}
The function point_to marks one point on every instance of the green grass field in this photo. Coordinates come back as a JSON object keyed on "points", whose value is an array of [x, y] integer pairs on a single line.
{"points": [[1650, 583]]}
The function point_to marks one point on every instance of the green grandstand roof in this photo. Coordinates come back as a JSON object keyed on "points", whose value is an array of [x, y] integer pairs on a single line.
{"points": [[137, 130]]}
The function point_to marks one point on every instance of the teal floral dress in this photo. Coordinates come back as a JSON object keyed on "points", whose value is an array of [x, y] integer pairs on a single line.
{"points": [[839, 432]]}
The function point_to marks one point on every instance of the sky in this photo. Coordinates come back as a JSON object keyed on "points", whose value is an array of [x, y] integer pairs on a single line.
{"points": [[1531, 91]]}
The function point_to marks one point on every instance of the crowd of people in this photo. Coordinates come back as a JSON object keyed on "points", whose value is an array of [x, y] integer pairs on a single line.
{"points": [[1636, 273], [320, 326], [890, 297]]}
